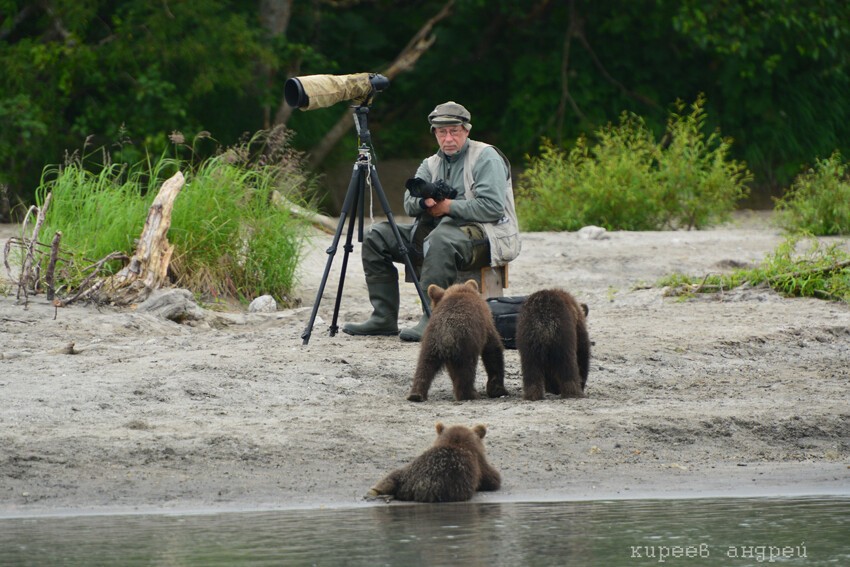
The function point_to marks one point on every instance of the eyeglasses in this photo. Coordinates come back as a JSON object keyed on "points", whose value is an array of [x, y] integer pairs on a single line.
{"points": [[443, 132]]}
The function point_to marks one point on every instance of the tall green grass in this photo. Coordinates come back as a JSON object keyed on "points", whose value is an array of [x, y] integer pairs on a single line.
{"points": [[230, 240], [627, 180], [97, 212]]}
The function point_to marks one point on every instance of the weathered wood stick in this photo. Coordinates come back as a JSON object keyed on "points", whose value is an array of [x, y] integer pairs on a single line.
{"points": [[51, 265]]}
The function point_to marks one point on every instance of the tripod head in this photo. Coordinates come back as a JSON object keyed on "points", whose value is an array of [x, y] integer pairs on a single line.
{"points": [[361, 122]]}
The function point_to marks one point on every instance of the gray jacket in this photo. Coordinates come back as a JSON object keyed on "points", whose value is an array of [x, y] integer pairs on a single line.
{"points": [[487, 198]]}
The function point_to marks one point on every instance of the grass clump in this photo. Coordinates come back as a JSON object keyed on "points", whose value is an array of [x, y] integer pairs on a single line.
{"points": [[627, 180], [820, 270], [231, 238], [98, 212], [818, 200]]}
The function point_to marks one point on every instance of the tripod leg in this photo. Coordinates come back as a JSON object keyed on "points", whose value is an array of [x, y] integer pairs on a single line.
{"points": [[376, 183], [360, 172], [353, 187]]}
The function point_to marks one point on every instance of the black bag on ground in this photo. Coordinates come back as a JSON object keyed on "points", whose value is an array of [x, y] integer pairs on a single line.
{"points": [[505, 312]]}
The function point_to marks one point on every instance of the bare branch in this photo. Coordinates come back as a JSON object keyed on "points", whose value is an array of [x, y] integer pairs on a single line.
{"points": [[284, 111], [322, 222], [573, 28], [582, 38], [58, 26], [405, 61], [20, 17], [274, 17], [84, 289], [51, 265], [148, 268], [28, 265]]}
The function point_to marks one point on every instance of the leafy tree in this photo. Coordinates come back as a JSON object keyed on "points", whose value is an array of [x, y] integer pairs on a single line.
{"points": [[697, 173], [775, 73], [779, 71], [118, 72]]}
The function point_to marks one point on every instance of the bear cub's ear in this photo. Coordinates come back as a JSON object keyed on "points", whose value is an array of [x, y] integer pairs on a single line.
{"points": [[440, 426], [472, 283], [480, 430], [436, 293]]}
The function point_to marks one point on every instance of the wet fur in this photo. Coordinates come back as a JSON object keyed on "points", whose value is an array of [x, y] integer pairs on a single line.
{"points": [[460, 330], [451, 470]]}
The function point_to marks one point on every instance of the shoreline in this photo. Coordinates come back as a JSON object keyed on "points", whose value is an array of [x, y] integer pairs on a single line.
{"points": [[69, 513], [233, 413]]}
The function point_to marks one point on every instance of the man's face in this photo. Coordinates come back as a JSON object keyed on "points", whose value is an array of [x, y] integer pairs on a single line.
{"points": [[451, 138]]}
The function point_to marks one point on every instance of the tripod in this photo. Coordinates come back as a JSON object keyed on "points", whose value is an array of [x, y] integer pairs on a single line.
{"points": [[363, 170]]}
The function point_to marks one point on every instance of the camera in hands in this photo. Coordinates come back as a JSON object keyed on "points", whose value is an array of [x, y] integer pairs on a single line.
{"points": [[421, 189]]}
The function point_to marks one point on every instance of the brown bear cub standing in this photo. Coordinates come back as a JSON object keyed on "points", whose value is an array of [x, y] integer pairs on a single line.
{"points": [[460, 330], [452, 470], [553, 345]]}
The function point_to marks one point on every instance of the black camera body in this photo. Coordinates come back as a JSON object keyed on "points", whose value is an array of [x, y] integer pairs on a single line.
{"points": [[421, 189]]}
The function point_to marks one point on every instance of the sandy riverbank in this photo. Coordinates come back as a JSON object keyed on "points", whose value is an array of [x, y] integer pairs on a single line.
{"points": [[741, 393]]}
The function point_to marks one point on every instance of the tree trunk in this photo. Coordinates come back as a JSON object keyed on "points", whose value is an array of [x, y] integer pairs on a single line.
{"points": [[274, 17]]}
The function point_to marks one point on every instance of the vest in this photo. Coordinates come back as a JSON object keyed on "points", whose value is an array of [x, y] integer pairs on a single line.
{"points": [[503, 235]]}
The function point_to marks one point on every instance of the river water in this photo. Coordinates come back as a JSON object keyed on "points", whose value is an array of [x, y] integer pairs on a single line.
{"points": [[697, 532]]}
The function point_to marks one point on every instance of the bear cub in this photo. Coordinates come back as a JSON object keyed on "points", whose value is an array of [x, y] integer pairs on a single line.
{"points": [[553, 345], [452, 470], [460, 330]]}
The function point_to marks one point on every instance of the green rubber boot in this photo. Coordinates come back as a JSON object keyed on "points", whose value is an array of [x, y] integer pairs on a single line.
{"points": [[414, 334], [384, 319]]}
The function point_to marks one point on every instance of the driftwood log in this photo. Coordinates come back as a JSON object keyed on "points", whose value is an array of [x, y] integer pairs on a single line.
{"points": [[145, 272], [318, 220], [148, 267]]}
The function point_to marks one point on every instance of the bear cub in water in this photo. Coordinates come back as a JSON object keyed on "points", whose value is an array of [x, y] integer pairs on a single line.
{"points": [[460, 330], [553, 345], [452, 470]]}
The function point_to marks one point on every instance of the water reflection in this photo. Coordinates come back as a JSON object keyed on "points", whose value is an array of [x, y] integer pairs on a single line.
{"points": [[738, 532]]}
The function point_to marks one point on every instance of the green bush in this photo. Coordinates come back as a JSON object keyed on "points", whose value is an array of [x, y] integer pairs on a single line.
{"points": [[230, 238], [545, 208], [701, 183], [627, 180], [615, 179], [818, 200]]}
